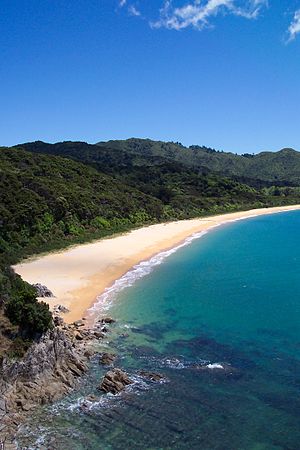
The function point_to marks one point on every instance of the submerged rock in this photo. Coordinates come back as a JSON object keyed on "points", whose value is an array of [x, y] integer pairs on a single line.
{"points": [[219, 369], [107, 359], [152, 376], [92, 398], [115, 381]]}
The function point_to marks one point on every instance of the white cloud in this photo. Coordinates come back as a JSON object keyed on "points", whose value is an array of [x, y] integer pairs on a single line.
{"points": [[294, 27], [197, 13], [122, 3], [133, 11]]}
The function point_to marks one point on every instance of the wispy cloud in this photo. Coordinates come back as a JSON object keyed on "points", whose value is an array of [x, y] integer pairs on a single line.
{"points": [[197, 14], [294, 27], [130, 7], [133, 11]]}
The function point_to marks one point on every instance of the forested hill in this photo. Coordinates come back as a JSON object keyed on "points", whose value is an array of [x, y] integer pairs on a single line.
{"points": [[282, 167], [49, 200], [266, 168]]}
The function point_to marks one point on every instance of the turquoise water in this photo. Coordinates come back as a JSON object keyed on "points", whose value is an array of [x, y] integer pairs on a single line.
{"points": [[231, 297]]}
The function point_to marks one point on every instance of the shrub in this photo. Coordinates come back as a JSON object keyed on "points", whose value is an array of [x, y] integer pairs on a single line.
{"points": [[100, 222], [32, 316]]}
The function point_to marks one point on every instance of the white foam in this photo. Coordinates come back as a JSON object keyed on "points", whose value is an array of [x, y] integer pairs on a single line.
{"points": [[215, 366]]}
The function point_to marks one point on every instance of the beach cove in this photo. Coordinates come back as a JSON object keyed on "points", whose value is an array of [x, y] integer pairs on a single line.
{"points": [[79, 275], [219, 320]]}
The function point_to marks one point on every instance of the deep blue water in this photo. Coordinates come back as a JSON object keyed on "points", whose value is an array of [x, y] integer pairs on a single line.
{"points": [[232, 297]]}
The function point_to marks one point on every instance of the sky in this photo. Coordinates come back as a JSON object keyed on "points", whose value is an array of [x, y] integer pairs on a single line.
{"points": [[220, 73]]}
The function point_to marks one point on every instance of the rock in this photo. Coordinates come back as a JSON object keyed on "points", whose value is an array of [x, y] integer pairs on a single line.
{"points": [[115, 381], [58, 321], [89, 353], [92, 398], [98, 334], [124, 335], [108, 320], [104, 329], [60, 309], [49, 370], [78, 323], [107, 359], [78, 336], [42, 291], [151, 375], [219, 370]]}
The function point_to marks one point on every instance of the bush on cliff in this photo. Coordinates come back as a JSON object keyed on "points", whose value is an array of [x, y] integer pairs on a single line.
{"points": [[26, 311]]}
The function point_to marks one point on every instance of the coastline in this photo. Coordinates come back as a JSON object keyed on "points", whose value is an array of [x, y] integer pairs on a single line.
{"points": [[79, 275]]}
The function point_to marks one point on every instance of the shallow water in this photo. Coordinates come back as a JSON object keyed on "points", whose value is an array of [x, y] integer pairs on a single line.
{"points": [[233, 298]]}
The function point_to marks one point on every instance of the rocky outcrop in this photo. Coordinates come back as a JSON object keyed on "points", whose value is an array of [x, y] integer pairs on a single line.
{"points": [[115, 381], [50, 369], [42, 291]]}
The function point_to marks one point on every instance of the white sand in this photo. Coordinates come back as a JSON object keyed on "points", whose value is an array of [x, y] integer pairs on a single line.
{"points": [[79, 274]]}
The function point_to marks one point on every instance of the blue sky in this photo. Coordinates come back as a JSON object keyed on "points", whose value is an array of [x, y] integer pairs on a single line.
{"points": [[221, 73]]}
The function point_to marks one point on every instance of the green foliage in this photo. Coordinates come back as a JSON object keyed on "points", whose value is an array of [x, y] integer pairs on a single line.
{"points": [[24, 310], [100, 223]]}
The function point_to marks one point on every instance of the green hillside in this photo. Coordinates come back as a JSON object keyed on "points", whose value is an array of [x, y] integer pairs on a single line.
{"points": [[182, 191], [280, 168], [48, 199]]}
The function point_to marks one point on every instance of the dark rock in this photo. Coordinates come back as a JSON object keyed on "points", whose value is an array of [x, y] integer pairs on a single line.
{"points": [[89, 353], [107, 358], [78, 336], [98, 334], [60, 309], [124, 335], [42, 291], [108, 320], [78, 323], [115, 381], [151, 375], [58, 321], [92, 398]]}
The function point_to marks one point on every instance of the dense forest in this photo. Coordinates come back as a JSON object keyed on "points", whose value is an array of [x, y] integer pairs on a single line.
{"points": [[53, 195]]}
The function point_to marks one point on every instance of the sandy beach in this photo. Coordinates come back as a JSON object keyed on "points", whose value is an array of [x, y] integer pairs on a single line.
{"points": [[78, 275]]}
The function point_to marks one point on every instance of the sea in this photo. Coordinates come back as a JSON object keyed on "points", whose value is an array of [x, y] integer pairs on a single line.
{"points": [[219, 318]]}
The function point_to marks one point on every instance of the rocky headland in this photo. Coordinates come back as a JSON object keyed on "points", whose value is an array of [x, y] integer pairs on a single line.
{"points": [[50, 369]]}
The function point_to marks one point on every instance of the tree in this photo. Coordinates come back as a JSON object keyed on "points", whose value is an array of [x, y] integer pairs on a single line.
{"points": [[32, 316]]}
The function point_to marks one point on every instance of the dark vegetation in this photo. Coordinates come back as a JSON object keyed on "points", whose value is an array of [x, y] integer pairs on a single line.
{"points": [[55, 195]]}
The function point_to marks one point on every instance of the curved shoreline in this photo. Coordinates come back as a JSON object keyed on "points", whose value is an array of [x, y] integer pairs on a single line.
{"points": [[80, 275]]}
